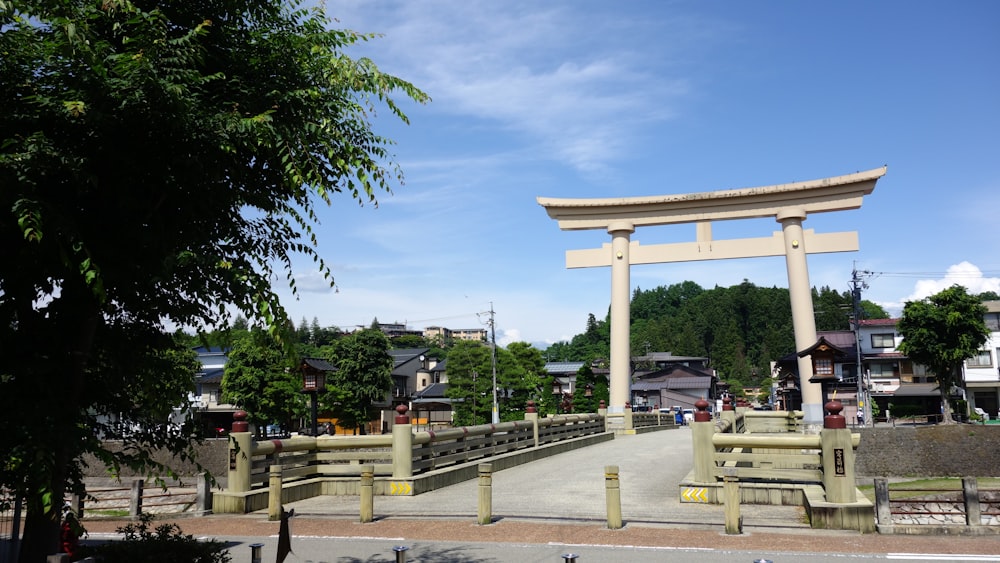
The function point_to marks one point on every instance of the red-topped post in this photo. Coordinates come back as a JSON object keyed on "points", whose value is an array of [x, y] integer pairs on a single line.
{"points": [[833, 418], [240, 450], [402, 445], [702, 414], [240, 423], [838, 456], [727, 403], [702, 430]]}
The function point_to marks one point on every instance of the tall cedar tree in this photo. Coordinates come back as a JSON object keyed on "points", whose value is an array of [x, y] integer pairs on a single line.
{"points": [[161, 162]]}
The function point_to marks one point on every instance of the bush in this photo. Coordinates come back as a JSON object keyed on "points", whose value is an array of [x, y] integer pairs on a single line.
{"points": [[167, 544]]}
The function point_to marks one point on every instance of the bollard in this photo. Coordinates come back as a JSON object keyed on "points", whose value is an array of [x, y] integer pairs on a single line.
{"points": [[367, 493], [135, 500], [731, 486], [400, 551], [569, 557], [613, 495], [485, 515], [256, 552], [274, 493]]}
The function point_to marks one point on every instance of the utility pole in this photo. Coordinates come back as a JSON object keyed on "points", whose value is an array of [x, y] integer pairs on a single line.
{"points": [[493, 359], [863, 399]]}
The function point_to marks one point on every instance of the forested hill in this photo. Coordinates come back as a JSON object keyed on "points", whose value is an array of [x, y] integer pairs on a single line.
{"points": [[741, 329]]}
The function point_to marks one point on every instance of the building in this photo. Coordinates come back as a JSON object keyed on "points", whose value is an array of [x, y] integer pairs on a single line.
{"points": [[982, 372], [444, 335]]}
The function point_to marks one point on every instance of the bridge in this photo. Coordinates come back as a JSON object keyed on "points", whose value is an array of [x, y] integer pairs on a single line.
{"points": [[570, 486], [709, 463]]}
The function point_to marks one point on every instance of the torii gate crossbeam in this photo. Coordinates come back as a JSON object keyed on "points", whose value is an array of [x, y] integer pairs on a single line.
{"points": [[789, 204]]}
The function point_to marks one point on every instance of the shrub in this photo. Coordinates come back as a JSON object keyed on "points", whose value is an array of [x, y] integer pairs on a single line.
{"points": [[166, 544]]}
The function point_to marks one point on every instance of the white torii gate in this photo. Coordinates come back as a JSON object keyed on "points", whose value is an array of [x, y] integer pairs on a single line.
{"points": [[789, 204]]}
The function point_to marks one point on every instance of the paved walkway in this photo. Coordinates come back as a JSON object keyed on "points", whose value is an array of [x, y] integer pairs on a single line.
{"points": [[571, 487]]}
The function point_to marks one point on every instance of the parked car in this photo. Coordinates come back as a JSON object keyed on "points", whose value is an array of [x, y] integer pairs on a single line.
{"points": [[688, 416]]}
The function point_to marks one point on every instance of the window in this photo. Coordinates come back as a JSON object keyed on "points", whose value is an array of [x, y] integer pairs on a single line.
{"points": [[884, 340], [824, 367], [982, 359]]}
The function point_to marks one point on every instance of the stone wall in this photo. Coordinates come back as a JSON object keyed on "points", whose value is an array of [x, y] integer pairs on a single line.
{"points": [[213, 454], [957, 450]]}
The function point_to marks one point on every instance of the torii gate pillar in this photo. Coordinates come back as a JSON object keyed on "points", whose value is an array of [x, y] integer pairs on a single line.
{"points": [[803, 319], [620, 314], [788, 204]]}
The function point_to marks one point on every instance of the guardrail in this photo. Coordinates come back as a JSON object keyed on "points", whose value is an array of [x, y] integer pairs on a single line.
{"points": [[401, 455], [730, 446], [936, 506]]}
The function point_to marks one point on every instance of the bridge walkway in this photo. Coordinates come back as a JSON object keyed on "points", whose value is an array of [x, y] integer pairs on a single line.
{"points": [[571, 487]]}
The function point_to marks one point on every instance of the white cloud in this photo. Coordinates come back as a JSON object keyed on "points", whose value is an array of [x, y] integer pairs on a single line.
{"points": [[964, 274]]}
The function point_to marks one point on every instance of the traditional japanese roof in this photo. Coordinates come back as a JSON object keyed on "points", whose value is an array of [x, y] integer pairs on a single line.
{"points": [[318, 364], [822, 345]]}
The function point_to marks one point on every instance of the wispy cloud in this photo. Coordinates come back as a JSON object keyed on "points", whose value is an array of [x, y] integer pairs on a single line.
{"points": [[581, 99]]}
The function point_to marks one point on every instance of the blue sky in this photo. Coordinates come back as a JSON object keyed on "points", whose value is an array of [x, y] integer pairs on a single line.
{"points": [[582, 98]]}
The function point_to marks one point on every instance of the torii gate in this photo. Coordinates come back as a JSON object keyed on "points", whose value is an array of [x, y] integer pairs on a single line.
{"points": [[789, 204]]}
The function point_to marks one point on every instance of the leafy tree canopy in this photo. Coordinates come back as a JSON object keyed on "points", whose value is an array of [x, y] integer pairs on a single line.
{"points": [[941, 332], [363, 377], [160, 163]]}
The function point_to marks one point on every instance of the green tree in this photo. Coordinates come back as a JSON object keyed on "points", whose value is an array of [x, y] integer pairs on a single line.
{"points": [[363, 377], [941, 332], [470, 381], [161, 163], [262, 380], [522, 381], [598, 388]]}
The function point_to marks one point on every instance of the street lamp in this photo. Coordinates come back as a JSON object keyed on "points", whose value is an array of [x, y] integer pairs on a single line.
{"points": [[313, 382]]}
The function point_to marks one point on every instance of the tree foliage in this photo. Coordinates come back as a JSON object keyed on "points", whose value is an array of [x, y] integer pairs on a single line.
{"points": [[262, 379], [160, 162], [941, 332], [363, 377], [741, 329]]}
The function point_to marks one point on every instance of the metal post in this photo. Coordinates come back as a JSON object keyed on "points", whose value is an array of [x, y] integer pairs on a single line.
{"points": [[613, 495], [400, 551], [256, 555], [569, 557], [485, 493], [367, 493]]}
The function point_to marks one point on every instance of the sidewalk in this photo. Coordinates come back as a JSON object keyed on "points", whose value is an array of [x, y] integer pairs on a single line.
{"points": [[561, 501]]}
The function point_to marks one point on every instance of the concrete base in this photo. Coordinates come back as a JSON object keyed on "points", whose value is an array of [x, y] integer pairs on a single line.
{"points": [[930, 530], [858, 516], [224, 502]]}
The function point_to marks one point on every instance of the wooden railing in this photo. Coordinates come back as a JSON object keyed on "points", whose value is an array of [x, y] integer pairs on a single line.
{"points": [[730, 446], [400, 454]]}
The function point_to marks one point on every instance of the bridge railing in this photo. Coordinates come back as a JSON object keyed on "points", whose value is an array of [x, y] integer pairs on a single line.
{"points": [[401, 454], [729, 446]]}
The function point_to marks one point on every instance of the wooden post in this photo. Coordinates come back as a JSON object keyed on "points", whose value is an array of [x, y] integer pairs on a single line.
{"points": [[704, 450], [731, 488], [274, 494], [883, 511], [240, 452], [485, 515], [402, 445], [970, 490], [367, 494], [613, 496], [838, 456], [628, 417], [135, 499], [531, 414]]}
